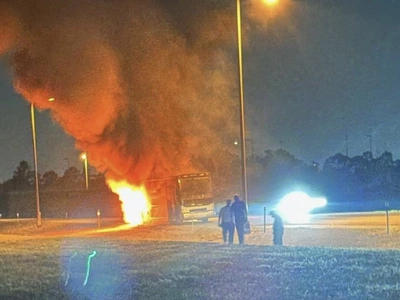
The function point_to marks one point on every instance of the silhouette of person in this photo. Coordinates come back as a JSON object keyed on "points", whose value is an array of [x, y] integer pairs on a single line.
{"points": [[226, 221], [239, 210], [277, 228]]}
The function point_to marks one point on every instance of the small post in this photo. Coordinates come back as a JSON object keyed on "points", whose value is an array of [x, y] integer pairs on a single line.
{"points": [[98, 218], [387, 217], [66, 215], [265, 219], [17, 218]]}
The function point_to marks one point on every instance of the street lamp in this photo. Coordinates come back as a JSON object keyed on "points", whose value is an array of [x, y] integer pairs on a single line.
{"points": [[241, 95], [370, 144], [270, 2], [85, 161], [241, 101], [35, 161], [67, 162]]}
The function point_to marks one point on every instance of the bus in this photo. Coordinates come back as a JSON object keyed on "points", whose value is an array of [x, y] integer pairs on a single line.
{"points": [[181, 198]]}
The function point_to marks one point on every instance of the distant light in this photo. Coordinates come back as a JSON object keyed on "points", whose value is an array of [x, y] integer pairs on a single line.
{"points": [[318, 202], [236, 142], [52, 99], [270, 2], [296, 206]]}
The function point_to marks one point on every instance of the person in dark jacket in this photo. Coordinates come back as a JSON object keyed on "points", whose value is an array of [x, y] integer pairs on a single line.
{"points": [[226, 221], [277, 228], [239, 210]]}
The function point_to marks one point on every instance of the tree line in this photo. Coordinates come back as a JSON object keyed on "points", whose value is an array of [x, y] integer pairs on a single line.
{"points": [[341, 178], [271, 175], [23, 179]]}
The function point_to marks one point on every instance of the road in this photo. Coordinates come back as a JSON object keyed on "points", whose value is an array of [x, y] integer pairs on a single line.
{"points": [[365, 230], [343, 220], [375, 219]]}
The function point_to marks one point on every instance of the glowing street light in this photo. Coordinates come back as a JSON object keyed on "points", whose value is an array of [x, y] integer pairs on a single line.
{"points": [[85, 161], [270, 2], [35, 161]]}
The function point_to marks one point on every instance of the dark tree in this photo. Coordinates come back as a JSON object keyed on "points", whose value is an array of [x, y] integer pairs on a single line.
{"points": [[22, 178], [49, 178], [72, 179]]}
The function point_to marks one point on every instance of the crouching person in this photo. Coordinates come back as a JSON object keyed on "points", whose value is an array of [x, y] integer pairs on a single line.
{"points": [[277, 228], [226, 221]]}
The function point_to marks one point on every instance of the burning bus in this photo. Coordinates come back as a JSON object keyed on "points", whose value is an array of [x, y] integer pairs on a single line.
{"points": [[181, 198]]}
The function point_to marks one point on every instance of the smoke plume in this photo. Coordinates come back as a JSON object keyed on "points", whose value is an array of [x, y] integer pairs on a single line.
{"points": [[145, 87]]}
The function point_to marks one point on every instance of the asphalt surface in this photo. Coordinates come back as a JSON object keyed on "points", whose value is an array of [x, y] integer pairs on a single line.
{"points": [[374, 219], [342, 220]]}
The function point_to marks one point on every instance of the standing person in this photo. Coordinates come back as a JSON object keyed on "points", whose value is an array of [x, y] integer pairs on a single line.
{"points": [[226, 221], [277, 228], [239, 210]]}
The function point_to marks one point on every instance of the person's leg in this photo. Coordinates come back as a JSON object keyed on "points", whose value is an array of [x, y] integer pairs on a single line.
{"points": [[278, 240], [237, 230], [231, 232], [240, 229], [224, 231]]}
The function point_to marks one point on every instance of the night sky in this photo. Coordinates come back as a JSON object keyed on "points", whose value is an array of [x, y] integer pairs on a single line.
{"points": [[329, 71], [314, 73], [54, 146]]}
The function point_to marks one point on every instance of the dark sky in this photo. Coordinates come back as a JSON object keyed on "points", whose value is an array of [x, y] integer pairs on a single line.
{"points": [[54, 146], [315, 73], [325, 71]]}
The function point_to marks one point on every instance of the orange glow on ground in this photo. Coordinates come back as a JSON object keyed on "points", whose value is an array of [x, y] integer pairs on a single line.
{"points": [[135, 203]]}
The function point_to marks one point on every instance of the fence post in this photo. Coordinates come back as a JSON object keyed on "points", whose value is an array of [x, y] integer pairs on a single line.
{"points": [[387, 217], [265, 219], [98, 218]]}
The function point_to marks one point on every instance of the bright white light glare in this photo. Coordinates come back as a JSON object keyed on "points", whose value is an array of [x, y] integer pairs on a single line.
{"points": [[318, 202], [296, 206]]}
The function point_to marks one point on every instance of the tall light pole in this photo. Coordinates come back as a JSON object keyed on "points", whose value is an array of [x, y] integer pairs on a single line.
{"points": [[241, 95], [84, 157], [241, 102], [370, 143], [67, 162], [35, 161]]}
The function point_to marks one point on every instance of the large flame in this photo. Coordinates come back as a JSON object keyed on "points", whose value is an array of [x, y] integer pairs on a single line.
{"points": [[134, 201]]}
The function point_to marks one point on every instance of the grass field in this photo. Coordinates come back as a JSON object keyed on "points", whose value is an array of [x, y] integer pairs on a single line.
{"points": [[190, 263]]}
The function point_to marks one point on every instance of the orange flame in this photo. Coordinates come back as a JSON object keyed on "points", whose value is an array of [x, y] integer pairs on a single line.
{"points": [[134, 201]]}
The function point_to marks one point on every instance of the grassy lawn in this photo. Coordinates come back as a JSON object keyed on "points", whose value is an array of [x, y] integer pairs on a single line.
{"points": [[132, 269]]}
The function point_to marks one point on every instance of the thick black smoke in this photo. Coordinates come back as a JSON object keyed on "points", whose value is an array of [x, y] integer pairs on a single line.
{"points": [[147, 88]]}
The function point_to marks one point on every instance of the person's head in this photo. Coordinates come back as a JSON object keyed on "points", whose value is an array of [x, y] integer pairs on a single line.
{"points": [[228, 202], [236, 198], [273, 213]]}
